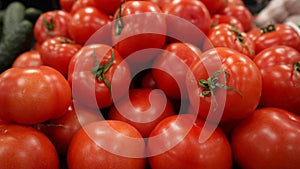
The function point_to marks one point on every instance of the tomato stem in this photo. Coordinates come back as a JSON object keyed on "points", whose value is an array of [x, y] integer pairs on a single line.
{"points": [[297, 67], [66, 40], [240, 38], [119, 24], [49, 25], [268, 28]]}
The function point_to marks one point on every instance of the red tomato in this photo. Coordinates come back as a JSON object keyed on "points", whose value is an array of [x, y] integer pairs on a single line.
{"points": [[241, 13], [225, 35], [90, 81], [108, 6], [79, 4], [57, 52], [66, 4], [85, 22], [61, 131], [52, 24], [218, 19], [33, 95], [107, 144], [229, 85], [174, 143], [213, 6], [268, 139], [169, 78], [161, 3], [138, 25], [25, 147], [278, 34], [193, 11], [148, 81], [142, 111], [28, 59], [280, 64]]}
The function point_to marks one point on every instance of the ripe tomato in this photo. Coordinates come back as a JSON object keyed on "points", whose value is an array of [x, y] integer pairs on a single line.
{"points": [[213, 6], [148, 81], [170, 146], [107, 144], [57, 52], [66, 4], [28, 59], [218, 19], [241, 13], [92, 75], [51, 24], [138, 25], [268, 139], [161, 3], [26, 147], [280, 64], [169, 78], [79, 4], [225, 35], [33, 95], [229, 85], [108, 6], [278, 34], [142, 111], [85, 22]]}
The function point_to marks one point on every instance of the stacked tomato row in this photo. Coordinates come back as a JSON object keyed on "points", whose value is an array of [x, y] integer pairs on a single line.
{"points": [[153, 84]]}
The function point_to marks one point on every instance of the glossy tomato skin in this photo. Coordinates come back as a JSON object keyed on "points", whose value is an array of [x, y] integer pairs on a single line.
{"points": [[277, 64], [169, 78], [51, 24], [30, 58], [108, 6], [282, 35], [144, 114], [87, 88], [225, 35], [213, 153], [86, 149], [79, 4], [267, 139], [57, 52], [219, 18], [66, 4], [85, 22], [26, 147], [33, 95], [213, 6], [243, 77], [144, 27]]}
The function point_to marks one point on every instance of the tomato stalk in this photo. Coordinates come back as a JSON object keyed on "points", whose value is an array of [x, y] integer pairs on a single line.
{"points": [[240, 38], [100, 70], [49, 25], [119, 24], [66, 40], [268, 28]]}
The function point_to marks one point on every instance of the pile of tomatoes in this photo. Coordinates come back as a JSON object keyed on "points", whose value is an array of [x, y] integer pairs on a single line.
{"points": [[153, 84]]}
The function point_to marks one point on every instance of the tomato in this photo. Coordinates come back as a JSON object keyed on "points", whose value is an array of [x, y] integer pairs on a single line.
{"points": [[30, 58], [138, 25], [107, 144], [85, 22], [169, 78], [218, 19], [148, 81], [268, 139], [194, 12], [213, 6], [174, 143], [229, 85], [142, 111], [241, 13], [108, 6], [25, 147], [66, 4], [280, 64], [57, 52], [61, 130], [79, 4], [225, 35], [51, 24], [33, 95], [92, 83], [278, 34], [161, 3]]}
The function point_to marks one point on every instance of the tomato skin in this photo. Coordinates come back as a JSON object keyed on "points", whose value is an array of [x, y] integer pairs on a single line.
{"points": [[244, 97], [144, 115], [88, 144], [211, 154], [79, 4], [213, 6], [267, 139], [148, 81], [57, 52], [276, 65], [85, 22], [108, 6], [30, 58], [283, 35], [225, 35], [219, 18], [84, 83], [26, 147], [58, 19], [165, 74], [66, 4], [33, 95]]}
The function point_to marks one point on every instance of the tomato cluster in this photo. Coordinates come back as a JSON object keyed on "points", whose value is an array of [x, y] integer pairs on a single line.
{"points": [[153, 84]]}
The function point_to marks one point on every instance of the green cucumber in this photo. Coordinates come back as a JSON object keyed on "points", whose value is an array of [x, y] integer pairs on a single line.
{"points": [[32, 14], [14, 14], [13, 44]]}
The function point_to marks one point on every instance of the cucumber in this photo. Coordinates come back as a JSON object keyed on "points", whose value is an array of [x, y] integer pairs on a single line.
{"points": [[32, 14], [14, 14], [13, 44]]}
